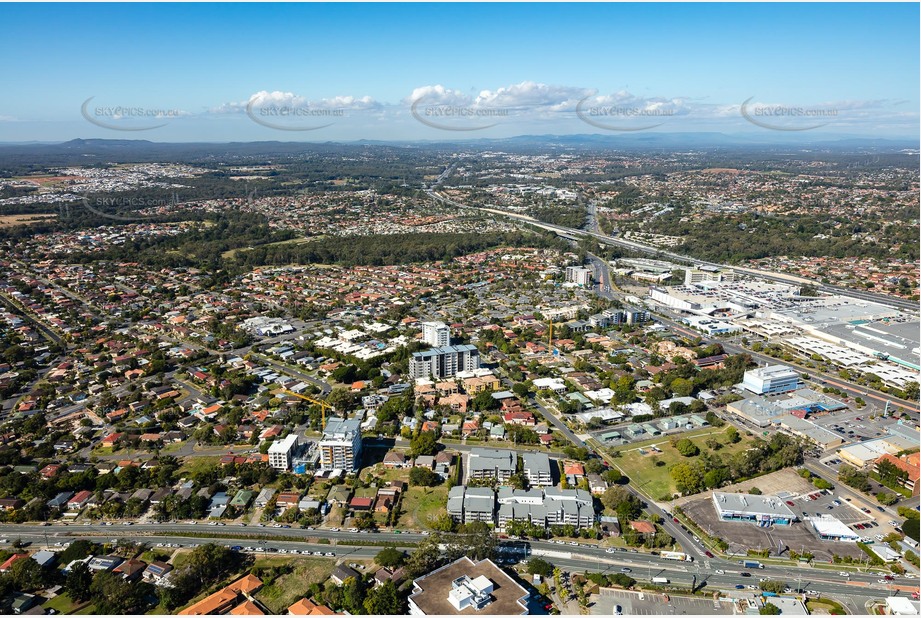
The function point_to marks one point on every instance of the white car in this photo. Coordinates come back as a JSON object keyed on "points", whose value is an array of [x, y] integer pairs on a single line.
{"points": [[813, 593], [610, 550], [720, 572], [425, 533], [844, 574]]}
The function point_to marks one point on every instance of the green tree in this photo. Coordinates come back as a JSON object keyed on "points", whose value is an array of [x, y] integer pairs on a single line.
{"points": [[26, 575], [688, 479], [687, 448], [77, 584], [769, 609], [423, 477], [536, 566], [424, 443], [385, 601], [390, 557]]}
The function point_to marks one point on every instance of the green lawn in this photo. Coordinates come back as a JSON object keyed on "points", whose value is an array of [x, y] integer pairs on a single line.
{"points": [[197, 464], [656, 480], [420, 504], [288, 588], [65, 605]]}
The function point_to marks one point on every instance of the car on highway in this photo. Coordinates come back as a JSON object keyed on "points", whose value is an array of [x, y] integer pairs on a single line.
{"points": [[626, 570], [675, 519], [790, 503], [813, 593], [611, 550], [740, 587], [745, 574], [708, 554], [880, 509], [720, 572], [844, 574], [329, 554]]}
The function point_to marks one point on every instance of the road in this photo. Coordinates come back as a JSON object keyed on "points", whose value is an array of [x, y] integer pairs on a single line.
{"points": [[677, 257], [643, 567]]}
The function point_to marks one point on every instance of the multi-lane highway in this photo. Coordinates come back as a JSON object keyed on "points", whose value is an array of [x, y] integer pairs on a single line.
{"points": [[717, 573], [685, 259]]}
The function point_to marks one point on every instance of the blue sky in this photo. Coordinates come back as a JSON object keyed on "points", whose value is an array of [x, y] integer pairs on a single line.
{"points": [[222, 72]]}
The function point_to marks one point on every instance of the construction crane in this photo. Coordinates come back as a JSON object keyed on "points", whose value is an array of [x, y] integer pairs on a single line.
{"points": [[318, 402], [550, 342]]}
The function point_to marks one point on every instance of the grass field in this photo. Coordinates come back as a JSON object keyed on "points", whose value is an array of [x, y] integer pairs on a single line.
{"points": [[288, 588], [194, 465], [14, 220], [656, 481], [420, 504], [63, 604]]}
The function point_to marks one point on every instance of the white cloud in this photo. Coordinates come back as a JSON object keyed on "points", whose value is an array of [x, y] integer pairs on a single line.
{"points": [[277, 98]]}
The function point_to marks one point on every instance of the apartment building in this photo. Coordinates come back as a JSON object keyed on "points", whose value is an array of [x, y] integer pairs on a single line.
{"points": [[466, 504], [436, 334], [537, 469], [444, 362], [340, 448], [579, 275], [282, 452], [489, 463]]}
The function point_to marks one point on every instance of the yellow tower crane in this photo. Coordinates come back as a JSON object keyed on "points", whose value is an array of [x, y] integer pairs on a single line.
{"points": [[319, 402]]}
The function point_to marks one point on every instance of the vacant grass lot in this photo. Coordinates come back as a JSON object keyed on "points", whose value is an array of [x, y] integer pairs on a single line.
{"points": [[655, 480], [421, 504], [290, 587]]}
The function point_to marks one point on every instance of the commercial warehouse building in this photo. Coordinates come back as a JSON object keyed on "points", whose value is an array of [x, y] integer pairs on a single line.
{"points": [[829, 528], [762, 510]]}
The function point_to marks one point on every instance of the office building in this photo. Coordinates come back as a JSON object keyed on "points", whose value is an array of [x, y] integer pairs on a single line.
{"points": [[444, 362], [707, 273], [340, 448], [469, 588], [771, 380], [436, 334]]}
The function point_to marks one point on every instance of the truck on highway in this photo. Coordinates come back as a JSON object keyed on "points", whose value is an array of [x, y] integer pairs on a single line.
{"points": [[676, 555], [660, 580], [751, 564]]}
